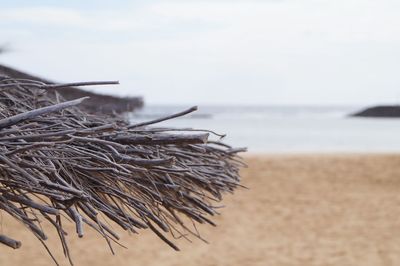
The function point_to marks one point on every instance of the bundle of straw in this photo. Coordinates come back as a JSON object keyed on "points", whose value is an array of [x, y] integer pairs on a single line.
{"points": [[58, 163]]}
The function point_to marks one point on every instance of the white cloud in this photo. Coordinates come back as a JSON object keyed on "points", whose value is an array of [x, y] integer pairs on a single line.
{"points": [[44, 15], [137, 18], [185, 51]]}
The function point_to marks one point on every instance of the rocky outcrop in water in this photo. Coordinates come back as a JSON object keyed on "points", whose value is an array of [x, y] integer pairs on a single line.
{"points": [[98, 103], [380, 111]]}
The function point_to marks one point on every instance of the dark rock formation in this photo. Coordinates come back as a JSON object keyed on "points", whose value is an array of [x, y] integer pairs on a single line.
{"points": [[97, 103], [380, 111]]}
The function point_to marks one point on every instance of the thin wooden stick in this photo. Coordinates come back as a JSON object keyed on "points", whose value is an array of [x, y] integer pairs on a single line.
{"points": [[78, 84], [188, 111], [10, 242], [162, 139], [9, 121]]}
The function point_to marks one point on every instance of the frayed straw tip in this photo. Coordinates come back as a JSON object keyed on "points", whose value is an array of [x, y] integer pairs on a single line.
{"points": [[15, 244]]}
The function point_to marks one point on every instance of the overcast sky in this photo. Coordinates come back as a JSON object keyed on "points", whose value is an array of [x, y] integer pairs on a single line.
{"points": [[214, 52]]}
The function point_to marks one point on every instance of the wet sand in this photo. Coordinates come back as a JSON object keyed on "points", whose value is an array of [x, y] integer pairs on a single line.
{"points": [[298, 210]]}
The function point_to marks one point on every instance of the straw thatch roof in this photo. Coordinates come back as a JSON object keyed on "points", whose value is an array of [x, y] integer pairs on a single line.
{"points": [[58, 162]]}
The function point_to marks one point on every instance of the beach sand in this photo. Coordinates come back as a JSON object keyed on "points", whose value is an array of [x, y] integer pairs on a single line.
{"points": [[298, 210]]}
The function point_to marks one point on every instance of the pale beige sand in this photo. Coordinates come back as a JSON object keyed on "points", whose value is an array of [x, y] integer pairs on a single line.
{"points": [[300, 210]]}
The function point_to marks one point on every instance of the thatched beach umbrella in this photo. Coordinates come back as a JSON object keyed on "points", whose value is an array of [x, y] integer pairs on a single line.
{"points": [[57, 162]]}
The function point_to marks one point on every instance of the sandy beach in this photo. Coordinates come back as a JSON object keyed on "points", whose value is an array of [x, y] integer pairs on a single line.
{"points": [[298, 210]]}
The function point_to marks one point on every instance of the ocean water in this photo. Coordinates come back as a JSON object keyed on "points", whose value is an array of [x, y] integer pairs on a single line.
{"points": [[286, 129]]}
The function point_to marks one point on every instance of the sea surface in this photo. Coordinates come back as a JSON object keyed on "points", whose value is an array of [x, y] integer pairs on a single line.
{"points": [[286, 129]]}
